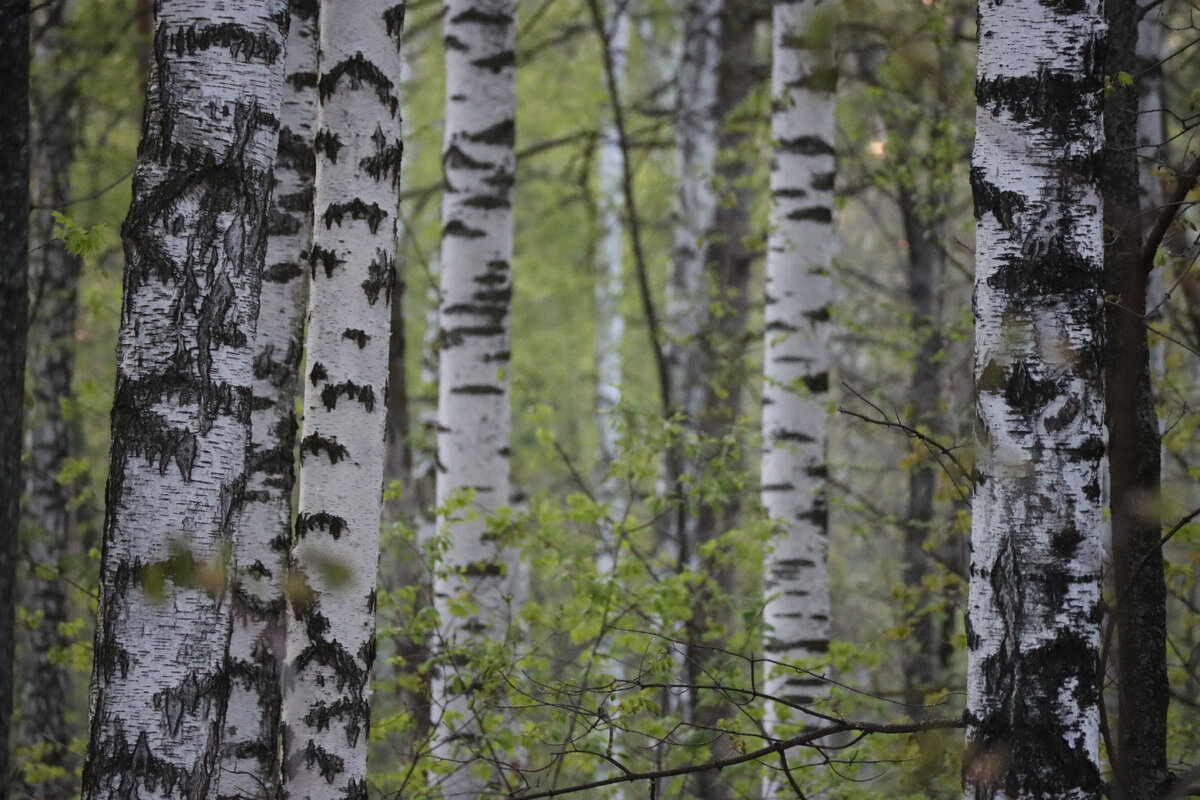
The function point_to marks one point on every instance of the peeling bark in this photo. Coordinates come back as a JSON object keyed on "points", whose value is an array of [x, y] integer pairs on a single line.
{"points": [[250, 752], [54, 274], [14, 304], [473, 388], [194, 242], [1034, 609], [799, 290], [335, 555]]}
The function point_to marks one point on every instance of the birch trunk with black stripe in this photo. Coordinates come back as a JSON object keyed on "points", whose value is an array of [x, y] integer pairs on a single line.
{"points": [[335, 555], [473, 387], [194, 244], [54, 275], [695, 203], [250, 752], [14, 304], [1033, 614], [797, 360]]}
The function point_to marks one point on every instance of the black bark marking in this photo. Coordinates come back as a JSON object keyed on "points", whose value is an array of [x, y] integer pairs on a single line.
{"points": [[320, 521], [474, 15], [455, 158], [386, 160], [812, 214], [1060, 102], [459, 228], [302, 80], [381, 277], [239, 40], [363, 394], [502, 60], [315, 443], [502, 134], [359, 337], [283, 272], [357, 209], [318, 373], [477, 389], [328, 259], [990, 199], [329, 143], [806, 146], [295, 152], [393, 18], [359, 70], [452, 337]]}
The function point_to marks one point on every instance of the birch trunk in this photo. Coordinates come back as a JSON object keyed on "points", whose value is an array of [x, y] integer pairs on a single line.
{"points": [[1033, 614], [1140, 763], [695, 206], [194, 242], [250, 754], [610, 323], [473, 591], [797, 360], [54, 273], [14, 303], [335, 555]]}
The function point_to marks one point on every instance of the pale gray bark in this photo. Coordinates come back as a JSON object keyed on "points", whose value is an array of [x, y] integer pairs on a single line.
{"points": [[335, 554], [250, 752], [610, 322], [1034, 608], [473, 386], [695, 204], [54, 276], [194, 242]]}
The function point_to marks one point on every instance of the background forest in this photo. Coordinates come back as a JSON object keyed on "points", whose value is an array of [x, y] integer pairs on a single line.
{"points": [[623, 655]]}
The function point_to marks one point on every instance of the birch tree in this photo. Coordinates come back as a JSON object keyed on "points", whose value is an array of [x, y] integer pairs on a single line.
{"points": [[54, 275], [1033, 613], [695, 204], [14, 303], [250, 750], [797, 361], [331, 629], [194, 240], [473, 591]]}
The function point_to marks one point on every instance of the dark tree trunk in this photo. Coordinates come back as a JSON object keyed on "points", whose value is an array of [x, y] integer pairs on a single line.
{"points": [[54, 274], [728, 261], [925, 267], [1140, 766], [14, 303]]}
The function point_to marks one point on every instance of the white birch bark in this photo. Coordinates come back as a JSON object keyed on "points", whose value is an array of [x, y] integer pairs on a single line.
{"points": [[473, 387], [1033, 613], [695, 205], [610, 323], [250, 752], [796, 365], [194, 242], [335, 555]]}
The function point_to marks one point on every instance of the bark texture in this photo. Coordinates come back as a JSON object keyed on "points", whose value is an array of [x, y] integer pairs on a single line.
{"points": [[797, 361], [695, 205], [250, 752], [14, 303], [54, 276], [473, 593], [194, 242], [1140, 765], [925, 269], [1033, 615], [331, 629]]}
